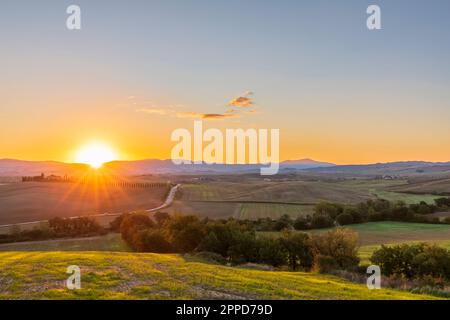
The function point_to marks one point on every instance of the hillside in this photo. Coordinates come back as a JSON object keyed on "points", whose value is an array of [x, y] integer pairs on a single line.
{"points": [[114, 275], [440, 187], [31, 201]]}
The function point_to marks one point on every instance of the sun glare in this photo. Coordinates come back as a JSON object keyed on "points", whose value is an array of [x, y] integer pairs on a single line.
{"points": [[95, 155]]}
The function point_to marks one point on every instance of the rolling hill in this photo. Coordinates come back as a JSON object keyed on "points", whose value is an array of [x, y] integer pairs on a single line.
{"points": [[121, 275]]}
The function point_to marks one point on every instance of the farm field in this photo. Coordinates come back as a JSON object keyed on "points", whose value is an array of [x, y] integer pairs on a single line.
{"points": [[117, 275], [259, 199], [31, 201], [302, 192], [109, 242], [377, 233], [239, 210], [394, 232], [382, 189], [441, 186]]}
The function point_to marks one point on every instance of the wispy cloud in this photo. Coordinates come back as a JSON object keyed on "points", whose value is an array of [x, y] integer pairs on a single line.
{"points": [[205, 116], [243, 101], [237, 107]]}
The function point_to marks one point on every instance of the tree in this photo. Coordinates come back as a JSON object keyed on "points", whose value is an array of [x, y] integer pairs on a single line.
{"points": [[319, 221], [412, 261], [442, 202], [245, 248], [132, 224], [221, 236], [152, 240], [328, 209], [355, 213], [284, 222], [302, 223], [161, 217], [185, 233], [344, 218], [340, 244], [272, 252], [298, 248]]}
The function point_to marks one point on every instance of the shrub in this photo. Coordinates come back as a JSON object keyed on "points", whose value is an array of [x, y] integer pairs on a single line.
{"points": [[324, 264], [301, 223], [272, 252], [298, 250], [328, 209], [341, 245], [357, 216], [185, 233], [344, 218], [245, 248], [417, 260], [132, 224], [319, 221], [74, 227], [284, 222], [442, 202], [161, 217], [152, 240]]}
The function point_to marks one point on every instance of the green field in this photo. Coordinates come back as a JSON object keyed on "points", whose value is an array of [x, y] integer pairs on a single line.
{"points": [[377, 233], [114, 275], [393, 232]]}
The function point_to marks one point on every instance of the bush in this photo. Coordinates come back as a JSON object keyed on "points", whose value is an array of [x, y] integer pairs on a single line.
{"points": [[152, 240], [245, 248], [272, 252], [161, 218], [341, 245], [298, 250], [301, 223], [324, 264], [185, 233], [74, 227], [412, 261], [284, 222], [344, 218], [328, 209], [132, 224], [442, 202], [319, 221]]}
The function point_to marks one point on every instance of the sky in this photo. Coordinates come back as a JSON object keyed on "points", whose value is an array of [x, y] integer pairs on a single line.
{"points": [[137, 70]]}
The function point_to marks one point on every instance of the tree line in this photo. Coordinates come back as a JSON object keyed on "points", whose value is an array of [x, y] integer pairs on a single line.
{"points": [[327, 214], [56, 228], [237, 242]]}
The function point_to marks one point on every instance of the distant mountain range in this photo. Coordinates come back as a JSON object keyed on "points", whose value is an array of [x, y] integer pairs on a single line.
{"points": [[11, 167]]}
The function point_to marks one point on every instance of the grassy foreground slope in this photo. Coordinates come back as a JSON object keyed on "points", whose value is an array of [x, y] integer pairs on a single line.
{"points": [[108, 275]]}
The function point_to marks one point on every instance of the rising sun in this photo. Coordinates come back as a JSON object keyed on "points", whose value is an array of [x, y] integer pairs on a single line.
{"points": [[95, 154]]}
